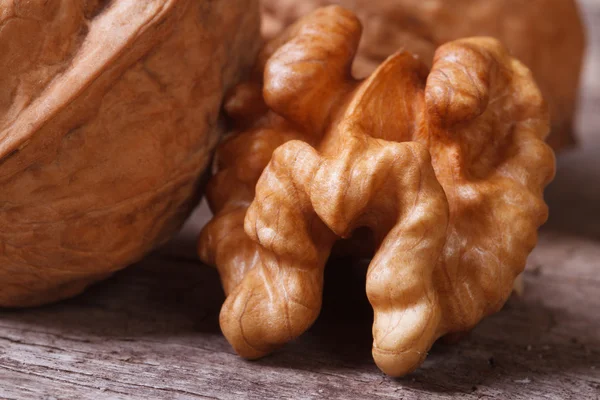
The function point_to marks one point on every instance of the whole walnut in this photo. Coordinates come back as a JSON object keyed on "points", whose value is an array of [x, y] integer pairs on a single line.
{"points": [[546, 35], [108, 115], [444, 166]]}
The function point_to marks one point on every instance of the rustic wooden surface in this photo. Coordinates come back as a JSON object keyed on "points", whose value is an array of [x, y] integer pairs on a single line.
{"points": [[152, 330]]}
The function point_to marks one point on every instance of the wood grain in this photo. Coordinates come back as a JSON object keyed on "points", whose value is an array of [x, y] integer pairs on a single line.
{"points": [[152, 330]]}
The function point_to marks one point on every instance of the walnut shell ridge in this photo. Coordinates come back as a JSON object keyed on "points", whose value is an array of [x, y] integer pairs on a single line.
{"points": [[548, 36], [446, 167], [108, 116]]}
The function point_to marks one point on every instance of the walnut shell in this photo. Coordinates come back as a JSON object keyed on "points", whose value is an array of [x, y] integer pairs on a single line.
{"points": [[108, 115], [546, 35], [445, 166]]}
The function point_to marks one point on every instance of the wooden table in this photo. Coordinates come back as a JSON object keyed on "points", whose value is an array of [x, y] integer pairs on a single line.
{"points": [[152, 330]]}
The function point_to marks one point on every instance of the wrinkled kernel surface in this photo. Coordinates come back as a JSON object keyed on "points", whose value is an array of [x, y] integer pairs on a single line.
{"points": [[446, 167]]}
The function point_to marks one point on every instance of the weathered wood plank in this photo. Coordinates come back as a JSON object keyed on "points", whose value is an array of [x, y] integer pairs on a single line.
{"points": [[152, 331]]}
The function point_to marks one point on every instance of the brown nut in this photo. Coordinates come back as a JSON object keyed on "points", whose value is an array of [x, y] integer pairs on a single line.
{"points": [[108, 117], [546, 35], [446, 168]]}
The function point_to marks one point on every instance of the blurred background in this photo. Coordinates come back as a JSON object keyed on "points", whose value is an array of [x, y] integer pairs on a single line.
{"points": [[574, 195]]}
